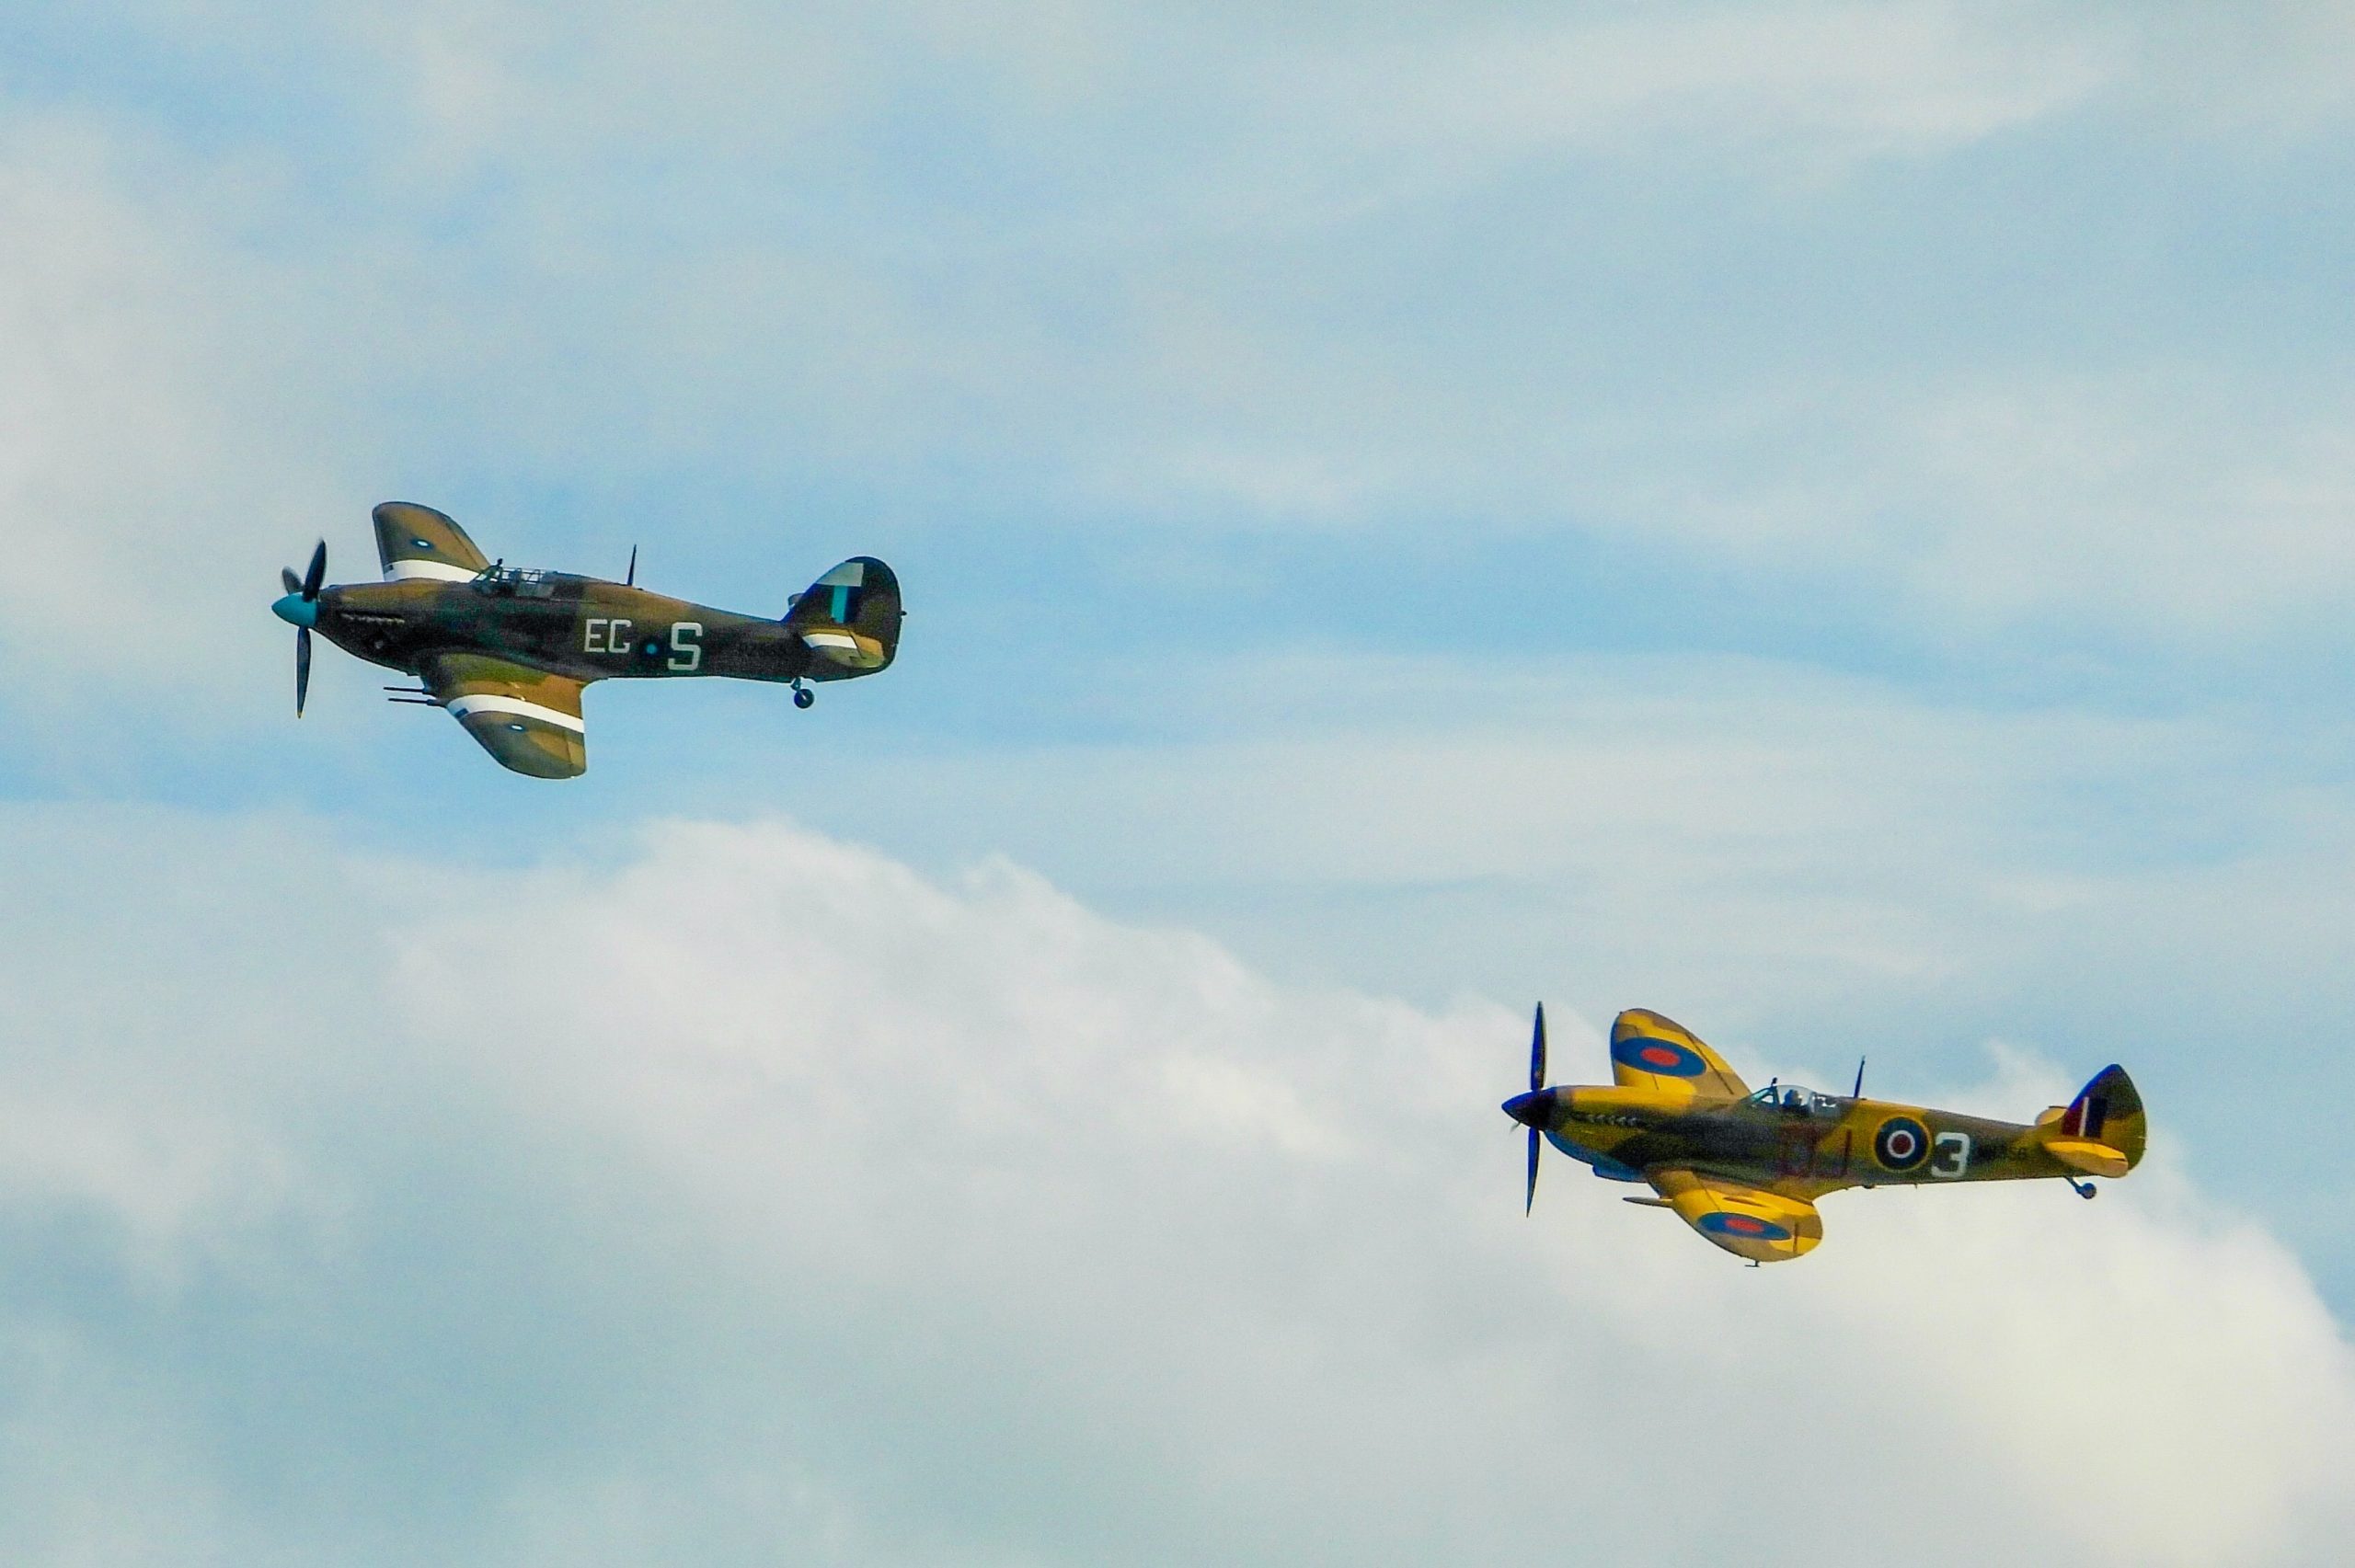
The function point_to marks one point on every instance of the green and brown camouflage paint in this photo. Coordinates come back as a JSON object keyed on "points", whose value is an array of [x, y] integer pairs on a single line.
{"points": [[508, 650]]}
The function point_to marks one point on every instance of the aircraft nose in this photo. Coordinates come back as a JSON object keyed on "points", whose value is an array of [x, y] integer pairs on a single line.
{"points": [[297, 611], [1533, 1109]]}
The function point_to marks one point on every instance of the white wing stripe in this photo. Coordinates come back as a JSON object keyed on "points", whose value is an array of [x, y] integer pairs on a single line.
{"points": [[439, 571], [492, 703]]}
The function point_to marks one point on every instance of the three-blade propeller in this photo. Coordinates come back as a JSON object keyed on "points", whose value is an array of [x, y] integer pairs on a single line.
{"points": [[300, 610]]}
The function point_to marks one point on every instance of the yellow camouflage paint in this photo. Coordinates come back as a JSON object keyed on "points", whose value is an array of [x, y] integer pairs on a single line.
{"points": [[1744, 1169]]}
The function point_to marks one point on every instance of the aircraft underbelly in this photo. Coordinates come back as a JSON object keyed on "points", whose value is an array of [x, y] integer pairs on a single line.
{"points": [[1609, 1170]]}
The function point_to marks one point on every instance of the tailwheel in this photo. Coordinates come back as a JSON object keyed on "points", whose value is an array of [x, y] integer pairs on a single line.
{"points": [[803, 696]]}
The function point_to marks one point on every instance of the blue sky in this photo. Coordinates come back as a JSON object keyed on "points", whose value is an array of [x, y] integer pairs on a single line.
{"points": [[1831, 523]]}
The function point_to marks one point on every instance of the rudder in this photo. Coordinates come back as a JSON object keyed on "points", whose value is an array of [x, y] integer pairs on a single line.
{"points": [[2107, 1113]]}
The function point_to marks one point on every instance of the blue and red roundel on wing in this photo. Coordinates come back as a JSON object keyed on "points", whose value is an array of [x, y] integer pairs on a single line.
{"points": [[1901, 1143], [1646, 1054], [1744, 1227]]}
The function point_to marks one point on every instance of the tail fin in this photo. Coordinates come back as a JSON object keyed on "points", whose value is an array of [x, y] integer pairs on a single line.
{"points": [[418, 542], [2104, 1123], [850, 618]]}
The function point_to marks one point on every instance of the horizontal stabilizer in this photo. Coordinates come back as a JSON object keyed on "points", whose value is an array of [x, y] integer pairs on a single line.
{"points": [[2093, 1159]]}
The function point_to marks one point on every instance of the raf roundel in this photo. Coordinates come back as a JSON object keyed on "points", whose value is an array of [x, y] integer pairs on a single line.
{"points": [[1901, 1143], [1744, 1227], [1646, 1053]]}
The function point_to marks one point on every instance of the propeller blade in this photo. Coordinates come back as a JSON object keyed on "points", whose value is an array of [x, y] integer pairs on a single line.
{"points": [[302, 668], [317, 574], [286, 575], [1537, 1052], [1530, 1202]]}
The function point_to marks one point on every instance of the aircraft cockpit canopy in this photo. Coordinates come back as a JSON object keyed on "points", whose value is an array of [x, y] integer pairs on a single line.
{"points": [[516, 582], [1794, 1101]]}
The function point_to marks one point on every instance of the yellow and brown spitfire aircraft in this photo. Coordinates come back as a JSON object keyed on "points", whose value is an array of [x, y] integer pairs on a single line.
{"points": [[508, 651], [1745, 1169]]}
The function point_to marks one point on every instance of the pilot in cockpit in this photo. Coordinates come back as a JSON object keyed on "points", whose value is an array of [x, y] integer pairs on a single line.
{"points": [[1789, 1099], [504, 582]]}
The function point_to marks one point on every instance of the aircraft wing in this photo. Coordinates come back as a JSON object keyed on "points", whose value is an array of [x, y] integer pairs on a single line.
{"points": [[1648, 1051], [1750, 1222], [527, 718], [418, 542]]}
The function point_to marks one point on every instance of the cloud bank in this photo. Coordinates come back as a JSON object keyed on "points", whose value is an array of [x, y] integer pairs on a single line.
{"points": [[751, 1195]]}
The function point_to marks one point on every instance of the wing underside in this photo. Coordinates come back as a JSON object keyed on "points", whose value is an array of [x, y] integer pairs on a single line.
{"points": [[418, 542], [1648, 1051], [1750, 1222], [526, 719]]}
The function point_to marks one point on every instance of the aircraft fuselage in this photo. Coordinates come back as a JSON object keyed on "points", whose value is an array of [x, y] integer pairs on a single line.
{"points": [[576, 626], [1825, 1145]]}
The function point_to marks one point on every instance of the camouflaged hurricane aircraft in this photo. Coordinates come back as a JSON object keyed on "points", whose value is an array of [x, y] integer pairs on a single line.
{"points": [[1745, 1169], [508, 651]]}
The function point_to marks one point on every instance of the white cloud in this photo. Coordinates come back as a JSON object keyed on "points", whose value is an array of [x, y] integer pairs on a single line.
{"points": [[173, 1186], [161, 417], [1750, 816], [764, 1197], [1837, 80], [2200, 508], [2264, 70], [969, 1096]]}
